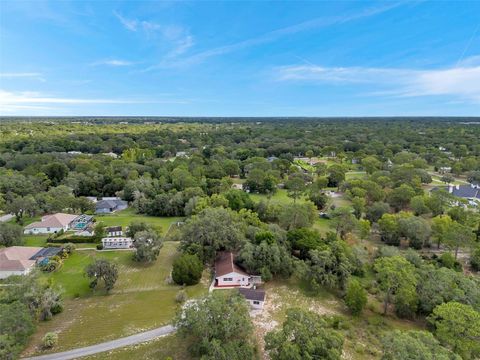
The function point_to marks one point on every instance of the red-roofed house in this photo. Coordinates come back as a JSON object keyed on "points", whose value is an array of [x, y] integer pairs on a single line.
{"points": [[228, 274]]}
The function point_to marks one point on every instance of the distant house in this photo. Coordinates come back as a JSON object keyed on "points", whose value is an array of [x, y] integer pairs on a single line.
{"points": [[469, 192], [109, 205], [51, 224], [228, 274], [20, 260], [255, 297], [181, 154], [237, 186], [117, 242], [114, 231], [444, 169], [111, 154]]}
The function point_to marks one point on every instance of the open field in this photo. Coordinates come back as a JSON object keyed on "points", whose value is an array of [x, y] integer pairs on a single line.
{"points": [[142, 299], [280, 197], [362, 334], [125, 217], [159, 349]]}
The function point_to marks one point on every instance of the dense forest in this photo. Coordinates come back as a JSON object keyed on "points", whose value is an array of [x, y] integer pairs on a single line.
{"points": [[368, 215]]}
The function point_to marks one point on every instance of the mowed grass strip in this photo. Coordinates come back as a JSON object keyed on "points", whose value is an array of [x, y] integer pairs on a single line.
{"points": [[125, 217], [141, 300]]}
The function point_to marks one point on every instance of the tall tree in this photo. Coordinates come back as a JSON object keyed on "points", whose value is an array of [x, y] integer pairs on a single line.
{"points": [[304, 335], [458, 326]]}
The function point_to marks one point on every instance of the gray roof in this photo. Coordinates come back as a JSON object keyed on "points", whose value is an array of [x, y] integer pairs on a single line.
{"points": [[109, 204], [114, 228], [466, 191], [252, 294]]}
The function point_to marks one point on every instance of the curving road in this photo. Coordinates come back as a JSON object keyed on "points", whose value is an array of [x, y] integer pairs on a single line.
{"points": [[106, 346]]}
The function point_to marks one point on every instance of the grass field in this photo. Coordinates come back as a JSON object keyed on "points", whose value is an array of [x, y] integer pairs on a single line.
{"points": [[141, 300], [158, 349], [362, 334], [125, 217], [280, 197]]}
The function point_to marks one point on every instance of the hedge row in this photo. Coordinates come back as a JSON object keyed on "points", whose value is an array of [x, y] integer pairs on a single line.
{"points": [[73, 239]]}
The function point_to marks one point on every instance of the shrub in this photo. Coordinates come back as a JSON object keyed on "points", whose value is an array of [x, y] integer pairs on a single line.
{"points": [[99, 247], [448, 260], [181, 296], [69, 248], [73, 240], [475, 259], [49, 340], [187, 270], [356, 297]]}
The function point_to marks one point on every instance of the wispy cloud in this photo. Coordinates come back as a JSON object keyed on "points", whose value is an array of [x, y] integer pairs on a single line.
{"points": [[178, 37], [462, 81], [13, 101], [28, 75], [129, 24], [277, 34], [113, 62]]}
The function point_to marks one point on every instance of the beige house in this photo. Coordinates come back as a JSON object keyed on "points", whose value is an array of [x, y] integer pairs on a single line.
{"points": [[17, 260], [51, 224]]}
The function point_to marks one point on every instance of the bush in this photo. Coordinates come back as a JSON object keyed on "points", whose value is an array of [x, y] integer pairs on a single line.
{"points": [[69, 248], [50, 340], [448, 260], [356, 297], [99, 247], [475, 259], [181, 296], [73, 240], [187, 270]]}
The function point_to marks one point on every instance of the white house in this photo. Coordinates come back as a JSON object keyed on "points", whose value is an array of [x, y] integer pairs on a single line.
{"points": [[255, 297], [51, 224], [228, 274], [17, 260], [117, 243]]}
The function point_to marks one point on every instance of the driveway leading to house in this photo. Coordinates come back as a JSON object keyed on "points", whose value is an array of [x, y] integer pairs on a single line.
{"points": [[109, 345]]}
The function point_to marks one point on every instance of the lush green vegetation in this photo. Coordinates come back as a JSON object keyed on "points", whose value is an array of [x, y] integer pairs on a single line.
{"points": [[352, 217], [141, 299]]}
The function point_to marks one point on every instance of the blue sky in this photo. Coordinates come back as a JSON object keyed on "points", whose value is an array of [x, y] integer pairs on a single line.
{"points": [[289, 58]]}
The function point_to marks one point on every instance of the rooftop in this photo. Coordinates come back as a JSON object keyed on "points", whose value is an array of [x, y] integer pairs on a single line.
{"points": [[17, 258], [224, 264], [58, 220], [252, 294]]}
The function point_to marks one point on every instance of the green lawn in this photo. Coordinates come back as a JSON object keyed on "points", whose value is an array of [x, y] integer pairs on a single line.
{"points": [[158, 349], [280, 196], [125, 217], [322, 225], [355, 175], [141, 299]]}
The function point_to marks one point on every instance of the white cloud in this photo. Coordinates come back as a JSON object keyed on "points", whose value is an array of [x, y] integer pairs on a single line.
{"points": [[462, 81], [113, 62], [14, 101], [177, 36], [280, 33], [27, 75], [129, 24]]}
